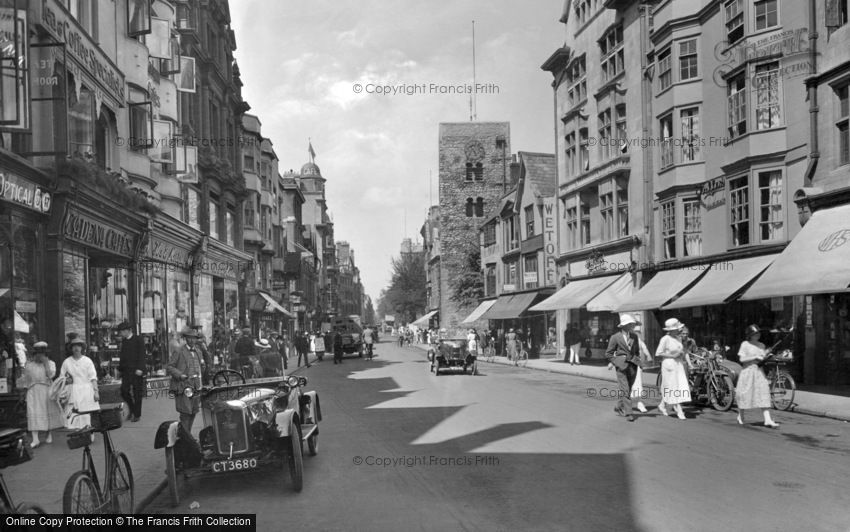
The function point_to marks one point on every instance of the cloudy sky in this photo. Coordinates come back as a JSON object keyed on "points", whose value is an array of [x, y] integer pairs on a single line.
{"points": [[300, 61]]}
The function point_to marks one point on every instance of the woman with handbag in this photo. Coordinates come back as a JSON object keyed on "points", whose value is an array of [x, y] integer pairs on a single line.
{"points": [[675, 388], [43, 413], [81, 376], [753, 389]]}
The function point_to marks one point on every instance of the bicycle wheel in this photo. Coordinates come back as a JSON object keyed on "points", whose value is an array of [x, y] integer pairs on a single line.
{"points": [[28, 508], [721, 393], [121, 484], [80, 495], [782, 391]]}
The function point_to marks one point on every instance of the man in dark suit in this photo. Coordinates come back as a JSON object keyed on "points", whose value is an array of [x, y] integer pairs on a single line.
{"points": [[132, 367], [624, 353]]}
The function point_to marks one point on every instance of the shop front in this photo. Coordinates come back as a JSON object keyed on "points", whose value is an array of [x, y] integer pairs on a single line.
{"points": [[226, 267], [811, 277], [25, 206], [511, 311], [92, 245], [585, 312]]}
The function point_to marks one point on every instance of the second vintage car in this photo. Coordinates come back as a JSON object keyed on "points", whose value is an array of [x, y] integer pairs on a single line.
{"points": [[452, 354], [256, 425]]}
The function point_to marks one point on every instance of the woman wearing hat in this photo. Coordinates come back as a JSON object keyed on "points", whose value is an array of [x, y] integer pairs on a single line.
{"points": [[43, 414], [675, 389], [753, 390], [81, 376]]}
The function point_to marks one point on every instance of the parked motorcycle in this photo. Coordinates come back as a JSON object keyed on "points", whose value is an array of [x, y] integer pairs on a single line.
{"points": [[710, 382]]}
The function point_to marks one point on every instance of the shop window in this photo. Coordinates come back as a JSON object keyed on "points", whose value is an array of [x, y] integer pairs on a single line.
{"points": [[138, 17], [81, 124], [665, 75], [692, 230], [736, 89], [108, 299], [771, 213], [688, 60], [734, 18], [668, 228], [767, 14], [768, 97], [739, 211], [690, 134], [141, 126], [841, 125]]}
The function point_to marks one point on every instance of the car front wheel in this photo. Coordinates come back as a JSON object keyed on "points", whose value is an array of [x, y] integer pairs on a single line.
{"points": [[295, 460]]}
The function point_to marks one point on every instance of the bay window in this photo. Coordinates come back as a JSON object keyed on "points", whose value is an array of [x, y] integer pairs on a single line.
{"points": [[739, 210], [771, 215], [668, 228], [768, 98]]}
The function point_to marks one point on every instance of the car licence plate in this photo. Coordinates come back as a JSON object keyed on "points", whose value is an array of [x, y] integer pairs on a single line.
{"points": [[241, 464]]}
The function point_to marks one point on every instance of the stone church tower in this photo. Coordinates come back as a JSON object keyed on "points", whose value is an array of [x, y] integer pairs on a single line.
{"points": [[474, 175]]}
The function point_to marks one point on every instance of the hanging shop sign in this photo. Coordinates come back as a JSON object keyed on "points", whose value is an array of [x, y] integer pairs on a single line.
{"points": [[86, 230], [711, 193], [550, 243], [24, 192], [62, 26]]}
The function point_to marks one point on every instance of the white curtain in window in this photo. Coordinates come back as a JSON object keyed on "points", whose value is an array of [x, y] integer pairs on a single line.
{"points": [[775, 218], [693, 244]]}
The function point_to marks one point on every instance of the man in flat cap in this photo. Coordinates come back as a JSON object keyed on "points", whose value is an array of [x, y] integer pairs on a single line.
{"points": [[132, 366], [185, 368]]}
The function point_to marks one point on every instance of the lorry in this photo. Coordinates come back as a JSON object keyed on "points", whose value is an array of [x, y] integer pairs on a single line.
{"points": [[351, 334]]}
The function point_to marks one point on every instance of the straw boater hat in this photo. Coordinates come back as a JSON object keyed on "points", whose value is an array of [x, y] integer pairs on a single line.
{"points": [[39, 347], [264, 343], [78, 341], [673, 324], [627, 319], [124, 325]]}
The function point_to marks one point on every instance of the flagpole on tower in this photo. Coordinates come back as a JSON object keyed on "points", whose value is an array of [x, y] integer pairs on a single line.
{"points": [[311, 151]]}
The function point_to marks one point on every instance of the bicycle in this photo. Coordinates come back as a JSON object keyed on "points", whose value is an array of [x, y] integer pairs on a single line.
{"points": [[83, 492], [14, 449], [782, 385]]}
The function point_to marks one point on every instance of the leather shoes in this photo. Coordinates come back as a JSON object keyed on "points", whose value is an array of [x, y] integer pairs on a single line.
{"points": [[630, 417], [618, 411], [134, 419]]}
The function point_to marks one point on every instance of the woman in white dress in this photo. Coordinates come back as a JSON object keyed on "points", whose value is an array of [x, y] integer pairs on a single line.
{"points": [[81, 376], [675, 389], [753, 390], [43, 413]]}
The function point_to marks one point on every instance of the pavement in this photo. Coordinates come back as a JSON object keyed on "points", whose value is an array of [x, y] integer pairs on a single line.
{"points": [[42, 479], [811, 403]]}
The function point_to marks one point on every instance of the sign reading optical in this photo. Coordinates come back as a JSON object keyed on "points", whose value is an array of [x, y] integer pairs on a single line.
{"points": [[24, 192]]}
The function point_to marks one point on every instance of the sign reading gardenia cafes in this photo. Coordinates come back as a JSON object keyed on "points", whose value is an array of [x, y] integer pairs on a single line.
{"points": [[24, 192], [86, 230]]}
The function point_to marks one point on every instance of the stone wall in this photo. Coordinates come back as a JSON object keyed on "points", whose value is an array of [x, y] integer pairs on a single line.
{"points": [[460, 143]]}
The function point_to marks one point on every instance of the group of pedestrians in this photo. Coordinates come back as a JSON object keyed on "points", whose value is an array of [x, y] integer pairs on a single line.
{"points": [[627, 353]]}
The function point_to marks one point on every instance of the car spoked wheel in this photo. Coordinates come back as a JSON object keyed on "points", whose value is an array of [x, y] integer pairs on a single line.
{"points": [[295, 460], [171, 477]]}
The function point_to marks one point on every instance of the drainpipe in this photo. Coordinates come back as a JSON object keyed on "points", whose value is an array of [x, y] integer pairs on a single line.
{"points": [[812, 88], [646, 129]]}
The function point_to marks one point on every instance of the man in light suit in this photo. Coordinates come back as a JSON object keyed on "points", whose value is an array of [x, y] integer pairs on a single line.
{"points": [[624, 353]]}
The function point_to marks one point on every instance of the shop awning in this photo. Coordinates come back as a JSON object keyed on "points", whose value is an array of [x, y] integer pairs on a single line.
{"points": [[424, 319], [509, 307], [661, 289], [610, 298], [722, 281], [479, 310], [274, 304], [815, 262], [576, 294]]}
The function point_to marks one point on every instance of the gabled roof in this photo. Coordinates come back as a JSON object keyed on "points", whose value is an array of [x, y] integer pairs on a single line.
{"points": [[540, 172]]}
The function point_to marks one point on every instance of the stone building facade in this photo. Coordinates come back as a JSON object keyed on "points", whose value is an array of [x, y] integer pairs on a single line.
{"points": [[474, 172]]}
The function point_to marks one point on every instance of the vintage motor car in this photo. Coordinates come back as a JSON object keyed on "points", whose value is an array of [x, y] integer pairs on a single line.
{"points": [[351, 335], [260, 424], [452, 354]]}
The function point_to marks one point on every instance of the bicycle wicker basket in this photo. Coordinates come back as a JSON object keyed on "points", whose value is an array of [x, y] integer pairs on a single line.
{"points": [[79, 438], [110, 417]]}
